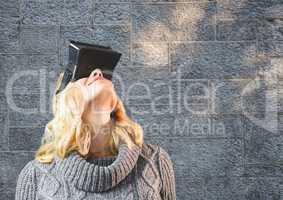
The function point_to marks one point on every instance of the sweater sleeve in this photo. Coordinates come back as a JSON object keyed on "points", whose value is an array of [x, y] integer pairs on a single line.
{"points": [[168, 189], [26, 183]]}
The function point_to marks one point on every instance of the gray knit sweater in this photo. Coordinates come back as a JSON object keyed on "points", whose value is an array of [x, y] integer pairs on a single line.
{"points": [[140, 173]]}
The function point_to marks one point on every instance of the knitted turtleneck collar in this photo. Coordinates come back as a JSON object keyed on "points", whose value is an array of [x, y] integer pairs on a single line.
{"points": [[99, 174]]}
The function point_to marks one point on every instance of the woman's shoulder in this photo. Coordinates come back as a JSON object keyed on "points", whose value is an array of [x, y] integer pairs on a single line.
{"points": [[34, 167], [32, 174], [160, 158], [28, 168], [165, 169], [155, 151], [27, 175]]}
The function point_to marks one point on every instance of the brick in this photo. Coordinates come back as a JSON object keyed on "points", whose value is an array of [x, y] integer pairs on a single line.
{"points": [[7, 195], [57, 13], [228, 9], [272, 73], [180, 170], [217, 158], [81, 33], [4, 131], [154, 128], [33, 67], [187, 188], [9, 65], [26, 81], [270, 29], [148, 91], [263, 188], [179, 151], [243, 96], [151, 55], [39, 39], [143, 91], [3, 102], [144, 85], [116, 36], [269, 123], [259, 188], [124, 74], [11, 164], [23, 119], [40, 60], [217, 60], [9, 38], [261, 145], [206, 159], [225, 188], [25, 139], [275, 11], [192, 95], [171, 22], [229, 126], [26, 101], [111, 13], [155, 121], [270, 47], [280, 122], [226, 95], [142, 111], [263, 170], [10, 12], [195, 126], [236, 30]]}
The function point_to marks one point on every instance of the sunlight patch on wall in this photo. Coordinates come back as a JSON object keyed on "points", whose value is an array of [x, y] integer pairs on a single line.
{"points": [[151, 54]]}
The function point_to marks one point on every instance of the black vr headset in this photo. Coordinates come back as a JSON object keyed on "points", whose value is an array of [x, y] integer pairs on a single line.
{"points": [[84, 58]]}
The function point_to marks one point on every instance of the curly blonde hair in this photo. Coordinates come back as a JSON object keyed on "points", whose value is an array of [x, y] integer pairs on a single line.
{"points": [[67, 131]]}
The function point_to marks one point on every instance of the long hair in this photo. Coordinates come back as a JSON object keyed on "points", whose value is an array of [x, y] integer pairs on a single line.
{"points": [[67, 131]]}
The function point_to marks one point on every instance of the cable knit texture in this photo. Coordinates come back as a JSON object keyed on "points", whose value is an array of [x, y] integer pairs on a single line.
{"points": [[133, 174]]}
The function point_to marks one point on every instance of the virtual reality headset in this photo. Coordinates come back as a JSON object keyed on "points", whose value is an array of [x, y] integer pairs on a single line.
{"points": [[84, 58]]}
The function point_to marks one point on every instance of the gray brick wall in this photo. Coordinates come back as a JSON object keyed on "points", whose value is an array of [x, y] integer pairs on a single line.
{"points": [[203, 78]]}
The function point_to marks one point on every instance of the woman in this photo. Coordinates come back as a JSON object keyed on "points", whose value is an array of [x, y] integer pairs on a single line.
{"points": [[92, 150]]}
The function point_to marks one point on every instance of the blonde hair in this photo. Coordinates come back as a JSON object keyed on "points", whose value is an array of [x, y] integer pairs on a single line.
{"points": [[68, 132]]}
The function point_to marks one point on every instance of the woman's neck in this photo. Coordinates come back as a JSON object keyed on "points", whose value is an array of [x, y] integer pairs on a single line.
{"points": [[101, 135]]}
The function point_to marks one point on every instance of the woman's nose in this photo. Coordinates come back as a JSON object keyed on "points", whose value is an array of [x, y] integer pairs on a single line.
{"points": [[94, 75], [97, 73]]}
